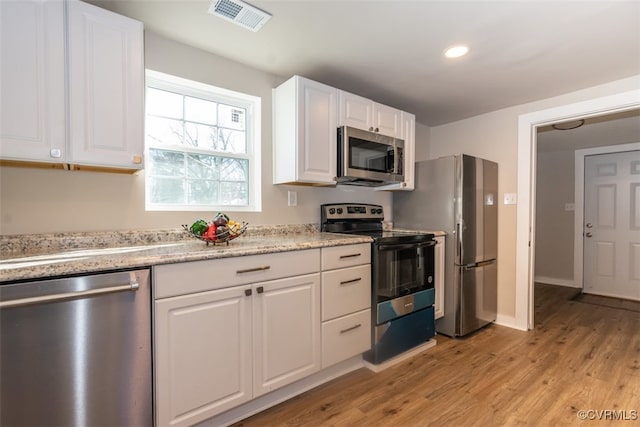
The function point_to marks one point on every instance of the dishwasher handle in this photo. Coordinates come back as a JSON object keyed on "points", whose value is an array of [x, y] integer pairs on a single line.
{"points": [[133, 286]]}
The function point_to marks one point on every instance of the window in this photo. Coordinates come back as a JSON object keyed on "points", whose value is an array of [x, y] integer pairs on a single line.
{"points": [[203, 146]]}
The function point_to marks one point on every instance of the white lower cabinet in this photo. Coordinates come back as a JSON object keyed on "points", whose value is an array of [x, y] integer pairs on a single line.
{"points": [[286, 331], [346, 302], [217, 349], [230, 330], [203, 348]]}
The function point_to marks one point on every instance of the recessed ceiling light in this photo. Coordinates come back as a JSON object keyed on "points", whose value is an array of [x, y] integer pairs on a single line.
{"points": [[568, 125], [456, 51]]}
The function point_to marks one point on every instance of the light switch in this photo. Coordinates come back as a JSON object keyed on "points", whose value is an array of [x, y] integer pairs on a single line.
{"points": [[510, 198], [293, 198]]}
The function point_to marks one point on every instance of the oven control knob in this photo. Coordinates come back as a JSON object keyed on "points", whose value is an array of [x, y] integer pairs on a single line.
{"points": [[373, 210], [339, 210], [332, 211], [379, 211]]}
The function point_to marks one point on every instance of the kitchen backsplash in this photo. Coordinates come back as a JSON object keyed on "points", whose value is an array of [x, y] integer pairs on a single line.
{"points": [[43, 243]]}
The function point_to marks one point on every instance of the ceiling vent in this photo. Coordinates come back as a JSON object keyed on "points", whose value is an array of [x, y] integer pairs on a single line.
{"points": [[240, 13]]}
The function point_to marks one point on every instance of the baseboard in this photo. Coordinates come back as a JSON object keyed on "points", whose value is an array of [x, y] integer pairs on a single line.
{"points": [[401, 357], [280, 395], [559, 282], [508, 321]]}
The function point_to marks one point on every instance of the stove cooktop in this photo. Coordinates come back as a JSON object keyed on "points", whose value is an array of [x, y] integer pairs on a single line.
{"points": [[365, 220]]}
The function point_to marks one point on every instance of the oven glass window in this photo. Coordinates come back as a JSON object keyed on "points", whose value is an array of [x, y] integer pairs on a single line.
{"points": [[371, 156], [403, 271]]}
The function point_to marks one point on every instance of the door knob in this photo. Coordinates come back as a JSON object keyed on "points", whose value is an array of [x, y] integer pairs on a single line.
{"points": [[589, 234], [589, 225]]}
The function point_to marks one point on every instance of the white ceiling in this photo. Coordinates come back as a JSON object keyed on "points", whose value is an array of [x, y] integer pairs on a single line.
{"points": [[391, 50]]}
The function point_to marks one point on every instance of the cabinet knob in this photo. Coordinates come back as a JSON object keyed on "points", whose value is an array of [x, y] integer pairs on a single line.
{"points": [[56, 153], [377, 130], [260, 289], [247, 292], [137, 160], [370, 128]]}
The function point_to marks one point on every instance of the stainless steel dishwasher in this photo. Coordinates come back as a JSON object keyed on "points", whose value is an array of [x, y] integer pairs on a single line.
{"points": [[77, 351]]}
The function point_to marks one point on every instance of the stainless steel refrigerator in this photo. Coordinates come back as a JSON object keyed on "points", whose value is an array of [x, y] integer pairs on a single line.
{"points": [[458, 195]]}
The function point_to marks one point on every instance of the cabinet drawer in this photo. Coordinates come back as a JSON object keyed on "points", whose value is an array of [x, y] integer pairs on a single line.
{"points": [[346, 256], [189, 277], [346, 337], [345, 291]]}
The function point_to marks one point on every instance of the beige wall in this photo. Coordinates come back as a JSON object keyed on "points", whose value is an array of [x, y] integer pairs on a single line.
{"points": [[494, 136], [554, 225], [423, 142], [39, 201], [555, 187]]}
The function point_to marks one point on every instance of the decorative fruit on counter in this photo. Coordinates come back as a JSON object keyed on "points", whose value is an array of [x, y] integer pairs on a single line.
{"points": [[211, 232], [234, 227], [199, 227], [220, 230], [221, 219]]}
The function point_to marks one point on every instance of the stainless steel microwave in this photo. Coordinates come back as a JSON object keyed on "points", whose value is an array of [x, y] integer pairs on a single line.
{"points": [[368, 158]]}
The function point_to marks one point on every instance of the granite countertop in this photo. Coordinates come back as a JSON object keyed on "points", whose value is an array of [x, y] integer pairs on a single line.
{"points": [[33, 257]]}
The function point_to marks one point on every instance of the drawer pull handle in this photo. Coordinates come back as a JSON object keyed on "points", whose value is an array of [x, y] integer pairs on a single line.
{"points": [[350, 256], [351, 328], [251, 270], [348, 282]]}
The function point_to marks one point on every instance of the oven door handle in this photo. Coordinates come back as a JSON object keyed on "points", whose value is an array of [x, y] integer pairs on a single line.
{"points": [[402, 246]]}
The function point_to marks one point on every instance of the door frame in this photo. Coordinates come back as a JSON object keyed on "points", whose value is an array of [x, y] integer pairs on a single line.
{"points": [[578, 217], [525, 209]]}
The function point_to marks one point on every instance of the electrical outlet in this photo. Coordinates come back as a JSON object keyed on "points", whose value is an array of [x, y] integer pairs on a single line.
{"points": [[293, 198], [569, 207], [510, 198]]}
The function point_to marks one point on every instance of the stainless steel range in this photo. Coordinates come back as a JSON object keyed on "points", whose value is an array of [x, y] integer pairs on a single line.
{"points": [[402, 275]]}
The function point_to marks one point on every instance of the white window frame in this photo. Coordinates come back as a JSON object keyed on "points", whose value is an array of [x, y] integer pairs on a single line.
{"points": [[252, 105]]}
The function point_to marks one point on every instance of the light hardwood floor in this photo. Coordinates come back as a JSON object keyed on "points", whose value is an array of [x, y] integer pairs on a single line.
{"points": [[579, 357]]}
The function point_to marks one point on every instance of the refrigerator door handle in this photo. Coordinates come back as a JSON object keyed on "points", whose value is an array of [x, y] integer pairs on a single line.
{"points": [[459, 240], [479, 264]]}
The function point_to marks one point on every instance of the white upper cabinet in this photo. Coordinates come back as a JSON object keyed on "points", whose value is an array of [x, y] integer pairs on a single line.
{"points": [[306, 115], [409, 135], [304, 133], [32, 111], [362, 113], [100, 100], [106, 88]]}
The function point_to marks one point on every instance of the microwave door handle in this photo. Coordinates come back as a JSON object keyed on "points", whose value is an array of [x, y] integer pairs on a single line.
{"points": [[396, 158]]}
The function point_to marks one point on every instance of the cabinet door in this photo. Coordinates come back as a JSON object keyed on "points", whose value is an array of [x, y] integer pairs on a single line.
{"points": [[286, 327], [409, 137], [387, 120], [32, 109], [439, 279], [355, 111], [317, 132], [202, 355], [106, 88]]}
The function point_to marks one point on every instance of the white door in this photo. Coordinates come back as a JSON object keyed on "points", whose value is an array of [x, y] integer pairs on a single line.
{"points": [[612, 225]]}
